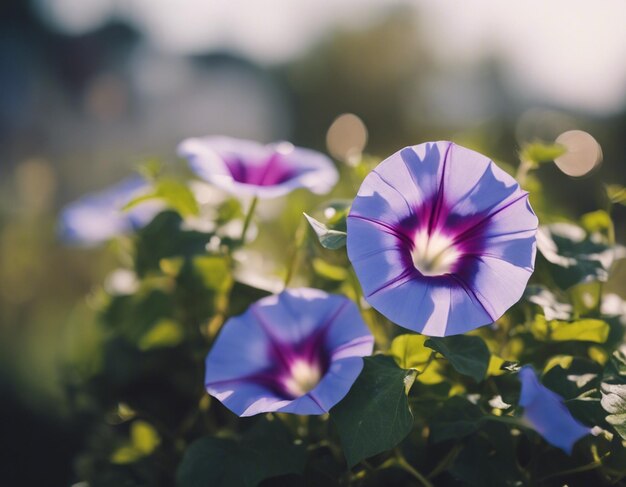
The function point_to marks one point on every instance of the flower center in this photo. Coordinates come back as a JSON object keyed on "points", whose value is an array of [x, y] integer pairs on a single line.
{"points": [[434, 254], [303, 376]]}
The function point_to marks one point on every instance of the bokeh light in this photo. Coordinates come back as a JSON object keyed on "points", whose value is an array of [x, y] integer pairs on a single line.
{"points": [[346, 138], [583, 153]]}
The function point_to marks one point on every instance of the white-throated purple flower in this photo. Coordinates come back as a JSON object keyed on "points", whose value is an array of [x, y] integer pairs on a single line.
{"points": [[245, 167], [545, 412], [441, 239], [299, 352], [98, 217]]}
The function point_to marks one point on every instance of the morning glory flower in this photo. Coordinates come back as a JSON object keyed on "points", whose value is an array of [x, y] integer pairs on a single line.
{"points": [[98, 217], [441, 239], [545, 412], [296, 352], [245, 167]]}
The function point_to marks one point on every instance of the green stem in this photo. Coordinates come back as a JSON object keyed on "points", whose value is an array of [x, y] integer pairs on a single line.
{"points": [[401, 462], [583, 468], [292, 264], [446, 461], [246, 222], [522, 171]]}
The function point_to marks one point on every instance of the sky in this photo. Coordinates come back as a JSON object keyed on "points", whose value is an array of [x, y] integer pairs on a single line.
{"points": [[569, 53]]}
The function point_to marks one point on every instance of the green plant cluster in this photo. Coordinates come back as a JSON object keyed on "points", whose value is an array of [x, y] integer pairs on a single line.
{"points": [[424, 411]]}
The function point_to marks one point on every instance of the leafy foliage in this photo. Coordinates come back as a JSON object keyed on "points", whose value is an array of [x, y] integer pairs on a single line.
{"points": [[467, 354], [265, 451], [423, 411], [375, 415]]}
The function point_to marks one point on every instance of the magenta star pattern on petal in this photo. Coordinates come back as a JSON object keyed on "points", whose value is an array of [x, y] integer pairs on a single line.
{"points": [[441, 239], [297, 352], [245, 167]]}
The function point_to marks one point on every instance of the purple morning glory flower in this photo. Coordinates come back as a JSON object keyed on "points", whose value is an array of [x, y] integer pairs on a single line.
{"points": [[246, 167], [296, 352], [441, 239], [98, 217], [545, 412]]}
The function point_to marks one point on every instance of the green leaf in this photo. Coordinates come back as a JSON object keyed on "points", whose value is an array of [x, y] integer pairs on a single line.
{"points": [[229, 210], [539, 152], [329, 271], [489, 458], [126, 454], [616, 193], [614, 402], [618, 421], [174, 193], [214, 271], [328, 238], [585, 298], [164, 238], [375, 415], [133, 316], [144, 437], [548, 302], [335, 212], [143, 441], [585, 330], [597, 221], [265, 451], [409, 351], [457, 419], [468, 355], [573, 256], [165, 333]]}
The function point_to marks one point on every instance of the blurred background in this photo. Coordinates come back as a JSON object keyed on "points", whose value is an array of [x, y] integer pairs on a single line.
{"points": [[90, 88]]}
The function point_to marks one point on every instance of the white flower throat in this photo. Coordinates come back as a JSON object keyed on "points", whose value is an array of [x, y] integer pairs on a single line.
{"points": [[434, 254], [303, 376]]}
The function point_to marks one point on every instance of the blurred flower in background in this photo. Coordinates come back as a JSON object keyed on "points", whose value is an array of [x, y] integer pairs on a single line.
{"points": [[245, 167], [96, 218]]}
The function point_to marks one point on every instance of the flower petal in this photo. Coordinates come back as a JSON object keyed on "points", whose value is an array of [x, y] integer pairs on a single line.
{"points": [[545, 411], [299, 351], [246, 167], [99, 217], [295, 314], [441, 239]]}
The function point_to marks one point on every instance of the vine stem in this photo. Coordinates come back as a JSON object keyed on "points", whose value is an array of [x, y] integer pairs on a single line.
{"points": [[400, 461], [292, 262], [583, 468], [248, 219], [522, 171]]}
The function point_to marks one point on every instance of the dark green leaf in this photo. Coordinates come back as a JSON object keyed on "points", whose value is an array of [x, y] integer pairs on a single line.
{"points": [[265, 451], [457, 419], [489, 458], [468, 355], [164, 238], [375, 415], [573, 257]]}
